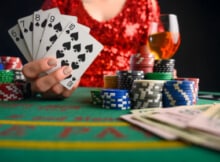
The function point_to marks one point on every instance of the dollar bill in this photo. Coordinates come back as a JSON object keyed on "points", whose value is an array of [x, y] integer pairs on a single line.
{"points": [[208, 121], [193, 136], [178, 116], [149, 126]]}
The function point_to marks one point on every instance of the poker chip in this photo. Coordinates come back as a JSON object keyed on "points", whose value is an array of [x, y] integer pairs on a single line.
{"points": [[116, 99], [10, 62], [10, 76], [12, 80], [96, 97], [146, 93], [126, 78], [159, 76], [11, 91], [142, 62], [195, 87], [110, 81], [1, 66], [164, 65], [178, 92]]}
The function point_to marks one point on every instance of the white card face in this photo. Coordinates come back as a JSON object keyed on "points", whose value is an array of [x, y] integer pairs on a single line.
{"points": [[55, 25], [26, 26], [77, 49], [40, 22], [74, 19], [18, 39]]}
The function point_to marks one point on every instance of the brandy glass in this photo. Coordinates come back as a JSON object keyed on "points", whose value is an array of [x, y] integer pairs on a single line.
{"points": [[164, 37]]}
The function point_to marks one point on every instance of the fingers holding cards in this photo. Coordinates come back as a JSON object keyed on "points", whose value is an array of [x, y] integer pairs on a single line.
{"points": [[76, 48], [49, 33]]}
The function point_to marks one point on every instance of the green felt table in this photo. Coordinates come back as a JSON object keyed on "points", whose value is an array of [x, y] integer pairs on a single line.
{"points": [[76, 130]]}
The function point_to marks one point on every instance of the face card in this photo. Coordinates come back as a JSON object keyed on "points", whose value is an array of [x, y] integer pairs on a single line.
{"points": [[40, 22], [77, 49], [55, 25], [18, 39], [26, 26]]}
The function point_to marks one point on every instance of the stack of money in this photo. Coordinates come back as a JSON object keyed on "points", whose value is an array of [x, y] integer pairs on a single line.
{"points": [[198, 124]]}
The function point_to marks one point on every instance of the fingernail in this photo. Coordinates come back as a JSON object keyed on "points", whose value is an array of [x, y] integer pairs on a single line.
{"points": [[52, 62], [67, 70]]}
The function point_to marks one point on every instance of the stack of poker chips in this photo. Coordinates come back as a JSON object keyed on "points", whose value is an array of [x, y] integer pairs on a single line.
{"points": [[142, 62], [146, 94], [195, 88], [96, 97], [178, 92], [12, 80], [116, 99], [126, 78], [163, 70], [111, 81]]}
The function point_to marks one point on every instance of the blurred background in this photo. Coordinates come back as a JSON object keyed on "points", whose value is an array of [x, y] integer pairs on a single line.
{"points": [[198, 21]]}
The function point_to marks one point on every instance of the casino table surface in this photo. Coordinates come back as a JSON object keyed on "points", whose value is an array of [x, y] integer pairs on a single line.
{"points": [[76, 130]]}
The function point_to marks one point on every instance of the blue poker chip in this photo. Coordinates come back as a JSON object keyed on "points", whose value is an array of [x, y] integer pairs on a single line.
{"points": [[114, 93], [179, 83], [1, 66], [176, 94], [115, 99], [176, 101]]}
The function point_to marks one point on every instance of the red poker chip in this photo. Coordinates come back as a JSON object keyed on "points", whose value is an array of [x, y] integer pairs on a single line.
{"points": [[11, 91], [11, 62]]}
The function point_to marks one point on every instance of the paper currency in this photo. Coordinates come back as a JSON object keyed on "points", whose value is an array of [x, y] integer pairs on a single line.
{"points": [[208, 121], [198, 124]]}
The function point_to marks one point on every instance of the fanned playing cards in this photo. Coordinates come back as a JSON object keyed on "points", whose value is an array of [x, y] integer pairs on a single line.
{"points": [[50, 33]]}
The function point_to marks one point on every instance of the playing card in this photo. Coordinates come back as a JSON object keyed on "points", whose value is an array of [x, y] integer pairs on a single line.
{"points": [[26, 26], [74, 19], [55, 25], [75, 48], [40, 22], [18, 39]]}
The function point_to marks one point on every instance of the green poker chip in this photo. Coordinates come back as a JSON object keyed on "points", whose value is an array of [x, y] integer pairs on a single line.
{"points": [[159, 76], [6, 76]]}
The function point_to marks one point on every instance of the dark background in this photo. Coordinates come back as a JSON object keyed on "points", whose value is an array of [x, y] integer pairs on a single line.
{"points": [[199, 28]]}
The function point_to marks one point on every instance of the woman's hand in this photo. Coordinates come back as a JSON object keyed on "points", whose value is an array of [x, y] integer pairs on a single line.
{"points": [[48, 85]]}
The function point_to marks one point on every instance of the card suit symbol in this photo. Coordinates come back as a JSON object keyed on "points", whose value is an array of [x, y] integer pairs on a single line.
{"points": [[50, 25], [43, 24], [77, 48], [67, 45], [64, 63], [58, 27], [89, 48], [17, 39], [59, 54], [25, 30], [31, 26], [53, 38], [74, 36], [37, 24], [68, 31], [47, 48], [73, 78], [75, 65], [82, 57]]}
